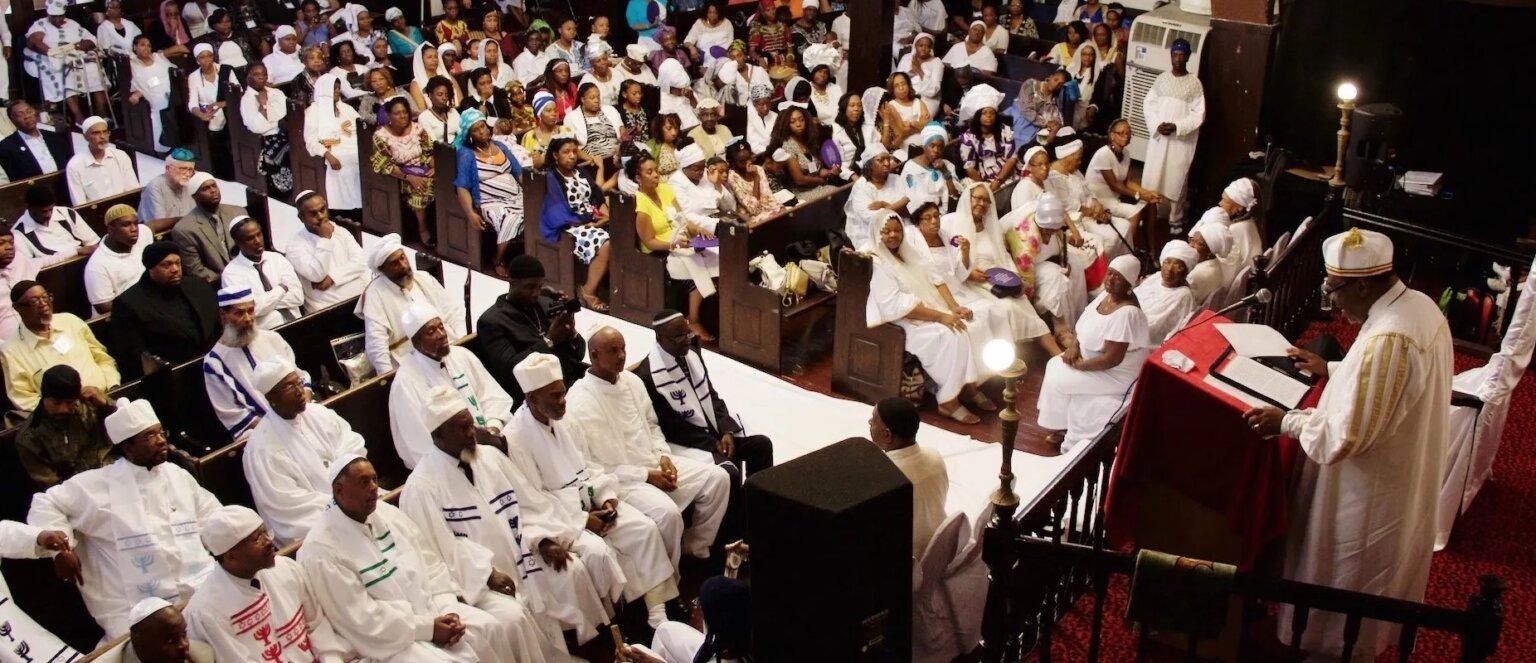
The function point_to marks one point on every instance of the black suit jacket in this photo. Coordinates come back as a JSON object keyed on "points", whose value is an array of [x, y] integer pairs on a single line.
{"points": [[507, 335], [175, 324], [17, 159], [679, 430]]}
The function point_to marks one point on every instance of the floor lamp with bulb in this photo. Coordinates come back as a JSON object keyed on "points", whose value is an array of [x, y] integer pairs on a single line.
{"points": [[1000, 636], [1347, 93]]}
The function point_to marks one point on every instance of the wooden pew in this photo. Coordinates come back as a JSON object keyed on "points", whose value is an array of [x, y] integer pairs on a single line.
{"points": [[364, 407], [638, 281], [383, 208], [308, 171], [194, 132], [457, 240], [138, 126], [310, 337], [753, 319], [866, 361], [245, 146], [95, 213], [1020, 68], [561, 268], [180, 399], [13, 201], [1024, 46]]}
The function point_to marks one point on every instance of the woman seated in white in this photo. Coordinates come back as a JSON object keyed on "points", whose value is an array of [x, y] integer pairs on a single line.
{"points": [[982, 245], [1109, 180], [1165, 297], [1091, 380], [1106, 233], [973, 51], [1052, 272], [1036, 167], [903, 292], [1235, 211]]}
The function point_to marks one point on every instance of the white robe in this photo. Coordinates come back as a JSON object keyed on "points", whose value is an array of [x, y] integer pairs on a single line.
{"points": [[1011, 318], [760, 129], [500, 521], [229, 375], [1026, 195], [926, 86], [125, 558], [343, 187], [339, 257], [620, 433], [383, 304], [286, 463], [1180, 100], [580, 485], [1205, 279], [19, 541], [856, 213], [419, 374], [1246, 241], [1082, 402], [381, 585], [280, 620], [929, 185], [946, 355], [982, 60], [1363, 511], [1164, 307]]}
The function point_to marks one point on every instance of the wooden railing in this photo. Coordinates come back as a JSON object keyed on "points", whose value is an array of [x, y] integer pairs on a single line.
{"points": [[1294, 276]]}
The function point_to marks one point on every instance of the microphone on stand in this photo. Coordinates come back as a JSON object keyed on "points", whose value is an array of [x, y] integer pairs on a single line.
{"points": [[1263, 296]]}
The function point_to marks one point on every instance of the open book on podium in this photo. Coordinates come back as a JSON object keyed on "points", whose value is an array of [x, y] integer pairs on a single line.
{"points": [[1256, 365]]}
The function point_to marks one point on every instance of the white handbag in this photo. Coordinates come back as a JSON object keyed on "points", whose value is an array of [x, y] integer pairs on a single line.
{"points": [[773, 276]]}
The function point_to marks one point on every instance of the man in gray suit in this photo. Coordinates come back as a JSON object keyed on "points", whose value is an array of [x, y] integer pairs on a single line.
{"points": [[202, 236]]}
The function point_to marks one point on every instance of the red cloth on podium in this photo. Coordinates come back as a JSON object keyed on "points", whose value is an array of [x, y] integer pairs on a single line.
{"points": [[1191, 437]]}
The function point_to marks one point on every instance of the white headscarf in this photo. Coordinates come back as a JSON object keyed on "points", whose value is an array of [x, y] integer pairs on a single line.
{"points": [[671, 75], [910, 269], [419, 67], [992, 230], [325, 93]]}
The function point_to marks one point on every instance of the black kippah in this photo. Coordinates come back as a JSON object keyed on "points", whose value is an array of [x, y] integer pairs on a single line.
{"points": [[900, 416], [524, 266]]}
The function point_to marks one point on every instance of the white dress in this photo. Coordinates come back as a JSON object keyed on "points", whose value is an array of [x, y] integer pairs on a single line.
{"points": [[856, 212], [1180, 100], [926, 86], [946, 355], [1082, 402], [1363, 511], [707, 39], [61, 73], [326, 121], [993, 315]]}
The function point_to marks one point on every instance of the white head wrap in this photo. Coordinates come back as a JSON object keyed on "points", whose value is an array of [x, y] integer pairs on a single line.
{"points": [[536, 371], [149, 606], [690, 155], [671, 75], [1050, 213], [1217, 238], [284, 30], [1031, 152], [707, 103], [598, 48], [1180, 249], [56, 7], [383, 249], [816, 55], [272, 372], [442, 404], [203, 48], [1357, 253], [977, 98], [416, 316], [636, 52], [1128, 266], [227, 526], [873, 152], [393, 13], [933, 131], [1241, 192], [130, 419], [1068, 149]]}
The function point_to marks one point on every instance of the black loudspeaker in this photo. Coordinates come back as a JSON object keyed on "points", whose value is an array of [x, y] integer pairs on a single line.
{"points": [[1373, 132], [831, 537]]}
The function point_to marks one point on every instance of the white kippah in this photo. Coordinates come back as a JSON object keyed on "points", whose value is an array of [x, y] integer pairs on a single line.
{"points": [[227, 526], [272, 372], [145, 608], [416, 316], [442, 404], [130, 419], [536, 371]]}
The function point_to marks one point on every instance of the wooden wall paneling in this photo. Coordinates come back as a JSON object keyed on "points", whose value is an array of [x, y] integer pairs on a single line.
{"points": [[866, 362], [246, 146], [1234, 97]]}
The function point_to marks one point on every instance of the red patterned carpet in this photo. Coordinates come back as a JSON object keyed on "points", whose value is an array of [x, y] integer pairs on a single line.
{"points": [[1495, 536]]}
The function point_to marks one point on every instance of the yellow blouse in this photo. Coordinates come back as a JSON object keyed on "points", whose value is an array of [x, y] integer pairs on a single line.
{"points": [[661, 224]]}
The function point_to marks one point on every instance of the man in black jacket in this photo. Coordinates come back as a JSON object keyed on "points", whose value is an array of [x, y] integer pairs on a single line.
{"points": [[518, 325], [164, 314], [21, 153]]}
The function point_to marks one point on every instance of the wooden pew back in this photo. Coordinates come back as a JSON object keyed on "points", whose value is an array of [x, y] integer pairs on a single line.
{"points": [[138, 127], [246, 146], [13, 201], [457, 239], [638, 281], [308, 171], [561, 268], [866, 361], [382, 208]]}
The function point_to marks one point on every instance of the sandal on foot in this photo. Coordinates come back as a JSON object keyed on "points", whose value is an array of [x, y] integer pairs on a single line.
{"points": [[983, 403], [592, 302], [961, 415]]}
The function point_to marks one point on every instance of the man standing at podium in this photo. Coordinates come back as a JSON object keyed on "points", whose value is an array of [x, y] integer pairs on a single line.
{"points": [[1363, 511]]}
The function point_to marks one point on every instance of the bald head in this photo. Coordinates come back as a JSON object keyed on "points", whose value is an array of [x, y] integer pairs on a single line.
{"points": [[606, 347]]}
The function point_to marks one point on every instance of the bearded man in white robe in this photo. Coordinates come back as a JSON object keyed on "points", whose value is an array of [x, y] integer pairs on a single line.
{"points": [[1363, 511], [256, 606], [228, 369], [287, 459], [133, 525], [388, 594], [434, 361], [478, 506], [394, 288], [1165, 297], [1212, 243], [1174, 110], [539, 427], [622, 435]]}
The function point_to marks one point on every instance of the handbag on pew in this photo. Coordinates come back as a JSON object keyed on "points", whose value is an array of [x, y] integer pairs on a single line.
{"points": [[914, 382], [771, 275], [352, 356], [820, 273], [796, 283]]}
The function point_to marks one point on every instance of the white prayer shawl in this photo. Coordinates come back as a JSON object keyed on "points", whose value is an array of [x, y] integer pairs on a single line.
{"points": [[896, 287], [287, 465], [1180, 100], [279, 621], [692, 400], [339, 257], [383, 304], [19, 541], [988, 247], [857, 214], [381, 587], [136, 532], [282, 67], [419, 374], [1363, 512], [619, 426], [583, 486], [982, 60], [1164, 307], [229, 375], [499, 521]]}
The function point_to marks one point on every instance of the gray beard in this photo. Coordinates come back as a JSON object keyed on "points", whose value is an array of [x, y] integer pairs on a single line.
{"points": [[238, 338], [469, 455]]}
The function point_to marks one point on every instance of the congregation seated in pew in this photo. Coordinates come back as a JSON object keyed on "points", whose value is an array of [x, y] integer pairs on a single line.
{"points": [[433, 361], [202, 236], [526, 320], [279, 295], [168, 196], [30, 151], [329, 260], [165, 314], [574, 205], [118, 263], [44, 339], [49, 232], [230, 368]]}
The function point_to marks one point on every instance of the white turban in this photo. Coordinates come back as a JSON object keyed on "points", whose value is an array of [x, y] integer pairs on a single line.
{"points": [[130, 419], [636, 52], [272, 372], [91, 122], [1180, 249], [934, 131], [393, 13], [1240, 191], [442, 404], [284, 30], [707, 103], [536, 371], [235, 294], [690, 155], [383, 249], [874, 151], [333, 471], [598, 48], [671, 74], [201, 49], [1128, 266], [1068, 149], [417, 315], [1217, 238], [1030, 154], [145, 608], [977, 98], [227, 526], [197, 180]]}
